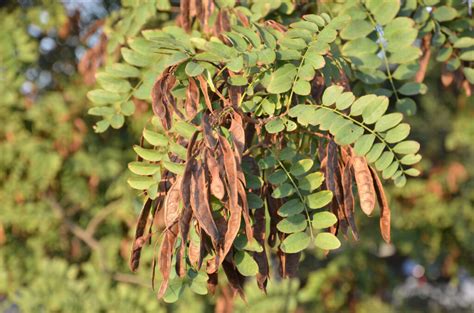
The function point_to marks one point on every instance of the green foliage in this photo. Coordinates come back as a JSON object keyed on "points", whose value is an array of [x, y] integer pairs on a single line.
{"points": [[66, 220]]}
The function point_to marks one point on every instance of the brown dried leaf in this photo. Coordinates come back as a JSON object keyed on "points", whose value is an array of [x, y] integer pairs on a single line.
{"points": [[447, 77], [365, 184], [222, 23], [184, 15], [273, 206], [349, 198], [192, 99], [165, 258], [332, 183], [209, 138], [203, 85], [289, 263], [200, 205], [275, 25], [425, 59], [333, 173], [186, 190], [236, 280], [242, 18], [230, 167], [238, 134], [212, 281], [235, 93], [384, 208], [245, 210], [172, 206], [159, 100], [194, 253], [217, 186], [137, 245]]}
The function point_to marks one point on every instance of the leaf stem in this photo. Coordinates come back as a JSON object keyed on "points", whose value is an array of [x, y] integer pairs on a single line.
{"points": [[380, 42], [299, 195]]}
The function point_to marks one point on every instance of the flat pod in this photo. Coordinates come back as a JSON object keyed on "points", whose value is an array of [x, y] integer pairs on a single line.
{"points": [[137, 246], [230, 167], [365, 184], [172, 203], [200, 205], [384, 208]]}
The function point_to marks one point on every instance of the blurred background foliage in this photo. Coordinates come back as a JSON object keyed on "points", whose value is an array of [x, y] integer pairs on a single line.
{"points": [[67, 215]]}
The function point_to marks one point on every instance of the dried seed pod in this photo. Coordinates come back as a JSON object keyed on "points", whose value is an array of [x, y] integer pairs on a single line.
{"points": [[384, 208], [192, 99], [141, 224], [349, 197], [365, 184], [200, 205], [233, 223], [172, 206], [166, 256], [217, 186]]}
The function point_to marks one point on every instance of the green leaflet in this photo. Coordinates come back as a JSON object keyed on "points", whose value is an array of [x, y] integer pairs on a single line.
{"points": [[121, 70], [101, 111], [302, 87], [175, 168], [363, 144], [184, 129], [331, 94], [113, 84], [278, 177], [383, 10], [142, 168], [319, 199], [193, 69], [283, 191], [245, 264], [174, 291], [241, 243], [407, 147], [323, 220], [290, 208], [345, 100], [254, 201], [356, 29], [154, 138], [127, 108], [464, 42], [301, 167], [275, 126], [406, 71], [375, 110], [100, 96], [444, 13], [384, 161], [412, 88], [398, 133], [388, 121], [295, 242], [311, 181], [282, 79], [148, 154], [411, 159], [137, 59], [140, 182], [197, 282], [327, 241], [292, 224]]}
